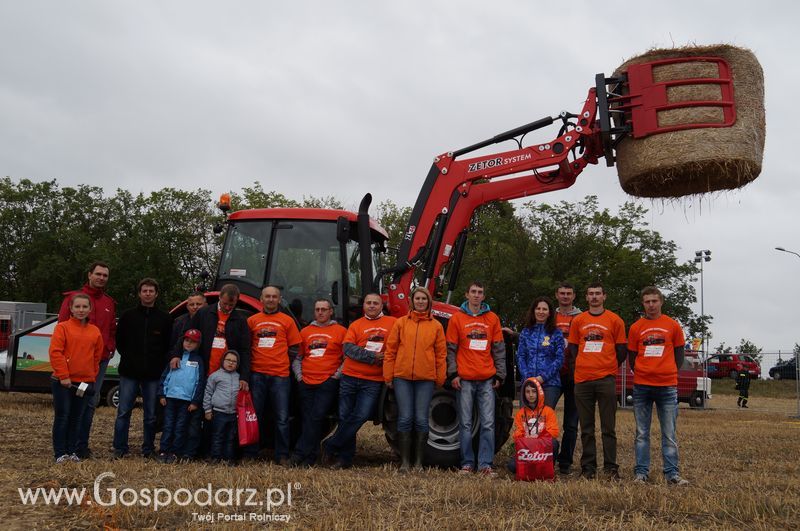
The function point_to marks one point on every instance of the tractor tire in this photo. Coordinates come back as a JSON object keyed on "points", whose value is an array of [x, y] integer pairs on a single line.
{"points": [[444, 446]]}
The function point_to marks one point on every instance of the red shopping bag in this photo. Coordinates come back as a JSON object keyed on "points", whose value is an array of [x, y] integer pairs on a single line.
{"points": [[534, 456], [246, 416]]}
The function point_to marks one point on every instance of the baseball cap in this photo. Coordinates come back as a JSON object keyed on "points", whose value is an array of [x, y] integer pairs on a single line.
{"points": [[193, 334]]}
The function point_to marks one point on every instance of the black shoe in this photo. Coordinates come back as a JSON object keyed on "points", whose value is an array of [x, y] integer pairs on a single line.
{"points": [[613, 474], [119, 454], [84, 453], [588, 473], [564, 471], [148, 455], [284, 461], [745, 406]]}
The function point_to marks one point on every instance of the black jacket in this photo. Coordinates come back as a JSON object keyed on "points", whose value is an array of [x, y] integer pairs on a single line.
{"points": [[180, 325], [237, 337], [143, 342]]}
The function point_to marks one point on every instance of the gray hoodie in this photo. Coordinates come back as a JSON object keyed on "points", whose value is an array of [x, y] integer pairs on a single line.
{"points": [[222, 388]]}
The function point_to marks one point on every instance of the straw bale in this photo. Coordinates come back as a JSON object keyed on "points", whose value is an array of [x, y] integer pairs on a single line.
{"points": [[700, 160]]}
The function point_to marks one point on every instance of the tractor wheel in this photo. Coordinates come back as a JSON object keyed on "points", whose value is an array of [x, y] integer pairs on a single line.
{"points": [[444, 447]]}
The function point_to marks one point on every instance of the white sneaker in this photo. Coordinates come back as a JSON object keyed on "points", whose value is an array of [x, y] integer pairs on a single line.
{"points": [[640, 478], [62, 459], [677, 481], [74, 458]]}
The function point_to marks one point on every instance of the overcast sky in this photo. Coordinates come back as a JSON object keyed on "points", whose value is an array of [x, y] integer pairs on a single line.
{"points": [[344, 98]]}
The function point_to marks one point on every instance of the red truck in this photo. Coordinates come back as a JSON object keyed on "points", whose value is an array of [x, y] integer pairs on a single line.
{"points": [[693, 389]]}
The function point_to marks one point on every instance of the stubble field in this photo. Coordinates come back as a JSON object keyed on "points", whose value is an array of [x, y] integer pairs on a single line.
{"points": [[744, 468]]}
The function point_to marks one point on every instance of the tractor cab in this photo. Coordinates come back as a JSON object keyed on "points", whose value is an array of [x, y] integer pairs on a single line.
{"points": [[308, 253]]}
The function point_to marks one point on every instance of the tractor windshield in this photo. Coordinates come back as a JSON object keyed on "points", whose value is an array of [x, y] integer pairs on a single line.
{"points": [[245, 255]]}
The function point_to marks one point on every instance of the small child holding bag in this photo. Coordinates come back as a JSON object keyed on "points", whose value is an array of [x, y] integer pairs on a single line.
{"points": [[535, 432]]}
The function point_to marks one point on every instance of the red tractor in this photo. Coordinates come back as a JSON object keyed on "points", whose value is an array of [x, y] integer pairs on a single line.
{"points": [[313, 253]]}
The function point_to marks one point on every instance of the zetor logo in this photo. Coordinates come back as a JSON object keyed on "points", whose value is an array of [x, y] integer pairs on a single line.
{"points": [[526, 455], [491, 163], [250, 416]]}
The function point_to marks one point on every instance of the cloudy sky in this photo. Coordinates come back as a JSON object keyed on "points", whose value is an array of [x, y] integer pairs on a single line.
{"points": [[343, 98]]}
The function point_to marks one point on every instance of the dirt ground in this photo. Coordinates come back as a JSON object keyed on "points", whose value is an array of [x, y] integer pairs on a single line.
{"points": [[744, 468]]}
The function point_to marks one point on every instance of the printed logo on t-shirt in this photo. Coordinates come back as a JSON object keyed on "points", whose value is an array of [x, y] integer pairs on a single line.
{"points": [[317, 347], [266, 337]]}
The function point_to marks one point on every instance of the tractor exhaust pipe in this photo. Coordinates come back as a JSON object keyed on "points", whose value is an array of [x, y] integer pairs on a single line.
{"points": [[365, 245]]}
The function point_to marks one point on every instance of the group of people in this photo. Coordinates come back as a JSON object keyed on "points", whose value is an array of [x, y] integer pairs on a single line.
{"points": [[577, 354], [197, 366]]}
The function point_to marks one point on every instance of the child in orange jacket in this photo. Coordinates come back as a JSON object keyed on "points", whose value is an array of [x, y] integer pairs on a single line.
{"points": [[76, 348], [534, 418]]}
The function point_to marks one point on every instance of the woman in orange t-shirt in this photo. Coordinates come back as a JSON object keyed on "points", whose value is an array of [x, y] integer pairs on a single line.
{"points": [[75, 351]]}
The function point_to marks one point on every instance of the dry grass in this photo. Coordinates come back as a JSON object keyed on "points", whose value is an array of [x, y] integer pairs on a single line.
{"points": [[743, 465]]}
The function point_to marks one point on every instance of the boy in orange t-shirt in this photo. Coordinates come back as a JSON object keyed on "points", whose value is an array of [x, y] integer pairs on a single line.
{"points": [[655, 353]]}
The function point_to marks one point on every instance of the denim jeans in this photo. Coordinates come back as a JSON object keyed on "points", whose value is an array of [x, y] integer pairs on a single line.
{"points": [[176, 426], [413, 404], [68, 411], [129, 388], [224, 432], [91, 406], [271, 393], [603, 393], [357, 400], [480, 394], [666, 402], [569, 436], [316, 401], [198, 435]]}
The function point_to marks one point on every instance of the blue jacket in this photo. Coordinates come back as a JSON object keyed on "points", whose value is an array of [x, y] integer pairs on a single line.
{"points": [[540, 354], [187, 382]]}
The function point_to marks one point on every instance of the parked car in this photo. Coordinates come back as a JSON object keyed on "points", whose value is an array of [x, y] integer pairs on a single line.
{"points": [[784, 369], [726, 365], [693, 389]]}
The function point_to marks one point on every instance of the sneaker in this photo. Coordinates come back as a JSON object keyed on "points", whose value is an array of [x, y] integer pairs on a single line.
{"points": [[488, 472], [677, 481], [640, 478], [84, 453], [465, 470], [74, 458], [63, 459]]}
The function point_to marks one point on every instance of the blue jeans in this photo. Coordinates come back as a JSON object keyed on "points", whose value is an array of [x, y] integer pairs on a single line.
{"points": [[224, 432], [68, 411], [481, 394], [569, 430], [413, 404], [176, 426], [316, 401], [271, 393], [129, 389], [357, 400], [91, 405], [666, 402]]}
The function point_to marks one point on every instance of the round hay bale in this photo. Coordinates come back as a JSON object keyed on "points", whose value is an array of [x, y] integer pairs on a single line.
{"points": [[700, 160]]}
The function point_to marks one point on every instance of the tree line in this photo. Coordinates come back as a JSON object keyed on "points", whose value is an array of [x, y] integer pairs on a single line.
{"points": [[52, 233]]}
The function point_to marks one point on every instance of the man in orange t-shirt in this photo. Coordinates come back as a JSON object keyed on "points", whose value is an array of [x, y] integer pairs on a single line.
{"points": [[476, 365], [655, 352], [275, 342], [596, 348], [317, 368], [362, 379]]}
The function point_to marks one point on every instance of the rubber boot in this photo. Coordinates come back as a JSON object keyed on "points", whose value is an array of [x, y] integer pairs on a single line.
{"points": [[739, 402], [744, 403], [404, 445], [420, 442]]}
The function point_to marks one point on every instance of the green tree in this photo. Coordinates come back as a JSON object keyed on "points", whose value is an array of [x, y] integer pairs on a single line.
{"points": [[722, 349], [748, 347]]}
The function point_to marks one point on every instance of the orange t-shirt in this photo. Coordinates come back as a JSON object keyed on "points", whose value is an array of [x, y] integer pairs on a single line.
{"points": [[654, 341], [474, 335], [563, 322], [596, 337], [219, 344], [369, 334], [272, 334], [321, 352]]}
